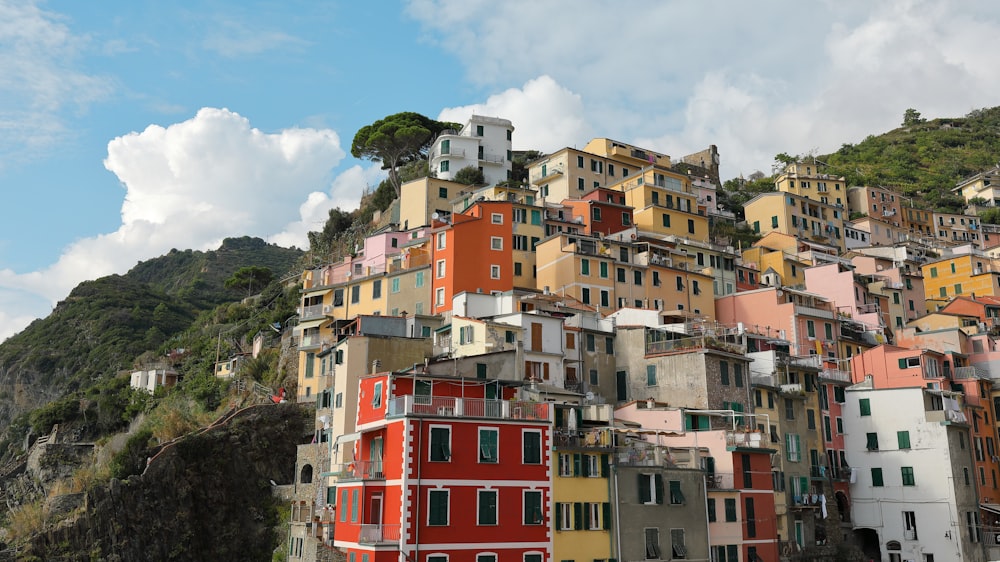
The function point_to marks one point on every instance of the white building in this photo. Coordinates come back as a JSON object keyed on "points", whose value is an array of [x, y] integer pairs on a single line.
{"points": [[484, 143], [153, 378], [912, 490]]}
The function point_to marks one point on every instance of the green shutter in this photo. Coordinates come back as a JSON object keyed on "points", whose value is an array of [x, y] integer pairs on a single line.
{"points": [[605, 466], [606, 515], [644, 491], [586, 465], [904, 439], [558, 516], [578, 516], [902, 363], [658, 481], [711, 510], [586, 517], [577, 461]]}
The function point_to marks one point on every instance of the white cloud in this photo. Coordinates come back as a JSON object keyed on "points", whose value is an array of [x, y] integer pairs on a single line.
{"points": [[755, 80], [191, 184], [546, 116], [231, 38], [38, 79]]}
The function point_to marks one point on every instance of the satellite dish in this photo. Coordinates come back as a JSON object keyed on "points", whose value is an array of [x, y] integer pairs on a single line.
{"points": [[590, 395], [435, 216]]}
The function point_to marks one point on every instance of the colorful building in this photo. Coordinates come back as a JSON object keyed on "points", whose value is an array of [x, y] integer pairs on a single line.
{"points": [[798, 216], [805, 180], [483, 143]]}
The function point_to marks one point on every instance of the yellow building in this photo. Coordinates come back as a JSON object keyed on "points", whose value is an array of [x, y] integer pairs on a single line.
{"points": [[957, 229], [805, 180], [777, 254], [798, 216], [960, 275], [421, 198], [609, 274], [984, 185], [581, 466], [663, 202]]}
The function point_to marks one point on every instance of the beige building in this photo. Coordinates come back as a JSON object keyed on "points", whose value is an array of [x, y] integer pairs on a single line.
{"points": [[798, 216], [805, 180]]}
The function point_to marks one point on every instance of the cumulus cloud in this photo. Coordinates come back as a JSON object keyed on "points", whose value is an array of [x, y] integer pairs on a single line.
{"points": [[546, 116], [191, 184], [39, 79], [672, 77]]}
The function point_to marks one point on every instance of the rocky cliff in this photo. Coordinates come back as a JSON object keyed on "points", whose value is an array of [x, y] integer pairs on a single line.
{"points": [[206, 496]]}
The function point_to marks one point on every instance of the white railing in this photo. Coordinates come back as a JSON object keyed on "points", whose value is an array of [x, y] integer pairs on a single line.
{"points": [[376, 533], [312, 311], [448, 406], [836, 375]]}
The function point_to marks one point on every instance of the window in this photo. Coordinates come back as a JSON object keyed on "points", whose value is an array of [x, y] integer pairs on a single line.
{"points": [[483, 558], [737, 373], [626, 219], [444, 167], [730, 504], [597, 214], [584, 267], [594, 378], [864, 406], [585, 295], [496, 218], [496, 243], [439, 296], [532, 507], [532, 447], [907, 473], [355, 294], [691, 226], [565, 464], [677, 543], [652, 535], [442, 240], [793, 451], [343, 506], [609, 345], [909, 525], [789, 409], [440, 269], [494, 272], [650, 375], [419, 279], [676, 495], [904, 439], [724, 372], [354, 505], [637, 277], [711, 510], [377, 289], [479, 130], [488, 445], [810, 327], [650, 489], [440, 444], [877, 477], [394, 286], [838, 394], [437, 507], [872, 441], [487, 511], [972, 523], [591, 342], [377, 397], [750, 517], [579, 161], [563, 521], [666, 220]]}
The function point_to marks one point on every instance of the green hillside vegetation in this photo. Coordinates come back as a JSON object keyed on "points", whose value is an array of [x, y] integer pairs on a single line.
{"points": [[923, 159]]}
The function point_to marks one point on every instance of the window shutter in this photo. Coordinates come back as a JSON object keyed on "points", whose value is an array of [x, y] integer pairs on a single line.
{"points": [[605, 467], [576, 464], [561, 463], [586, 517], [788, 446], [644, 491], [902, 363], [659, 487], [559, 523], [578, 516], [586, 465], [606, 515]]}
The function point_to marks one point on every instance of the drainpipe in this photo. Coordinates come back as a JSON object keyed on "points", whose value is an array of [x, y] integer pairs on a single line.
{"points": [[618, 526]]}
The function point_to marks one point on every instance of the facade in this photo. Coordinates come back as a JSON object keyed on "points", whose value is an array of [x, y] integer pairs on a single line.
{"points": [[960, 275], [912, 495], [957, 229], [984, 185], [446, 467], [877, 203], [151, 379], [805, 180], [483, 142], [796, 215]]}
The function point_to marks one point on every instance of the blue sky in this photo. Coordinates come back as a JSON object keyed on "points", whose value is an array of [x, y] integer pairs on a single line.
{"points": [[129, 128]]}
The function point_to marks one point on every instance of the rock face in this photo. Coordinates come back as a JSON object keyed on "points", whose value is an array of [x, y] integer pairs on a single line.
{"points": [[207, 496]]}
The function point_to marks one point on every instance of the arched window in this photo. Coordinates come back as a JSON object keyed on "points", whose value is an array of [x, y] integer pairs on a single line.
{"points": [[306, 477], [892, 545]]}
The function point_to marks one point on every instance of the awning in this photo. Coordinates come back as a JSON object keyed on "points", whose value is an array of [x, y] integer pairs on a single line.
{"points": [[348, 437], [312, 324], [991, 507], [322, 292]]}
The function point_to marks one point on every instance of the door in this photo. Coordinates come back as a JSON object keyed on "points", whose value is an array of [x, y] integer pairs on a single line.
{"points": [[376, 459], [622, 386], [375, 513]]}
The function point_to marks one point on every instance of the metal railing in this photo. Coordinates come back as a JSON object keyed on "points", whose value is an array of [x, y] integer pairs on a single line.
{"points": [[592, 438], [720, 481], [702, 342], [968, 373], [448, 406], [377, 533], [753, 439], [836, 375], [311, 311], [358, 470]]}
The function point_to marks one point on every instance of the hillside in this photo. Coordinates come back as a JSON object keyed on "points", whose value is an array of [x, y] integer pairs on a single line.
{"points": [[103, 325]]}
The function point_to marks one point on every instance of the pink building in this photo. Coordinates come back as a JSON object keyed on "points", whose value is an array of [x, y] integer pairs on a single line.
{"points": [[808, 321]]}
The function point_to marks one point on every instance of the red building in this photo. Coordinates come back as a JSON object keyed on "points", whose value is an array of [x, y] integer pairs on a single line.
{"points": [[447, 470], [473, 253], [603, 211]]}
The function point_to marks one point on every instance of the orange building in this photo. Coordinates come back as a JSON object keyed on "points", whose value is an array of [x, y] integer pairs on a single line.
{"points": [[473, 253]]}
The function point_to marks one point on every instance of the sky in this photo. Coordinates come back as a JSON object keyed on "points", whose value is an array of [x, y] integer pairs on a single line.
{"points": [[131, 128]]}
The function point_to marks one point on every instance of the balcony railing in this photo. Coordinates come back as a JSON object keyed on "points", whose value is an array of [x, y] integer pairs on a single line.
{"points": [[456, 152], [358, 470], [593, 438], [801, 361], [753, 439], [836, 375], [720, 481], [684, 344], [642, 454], [313, 311], [968, 373], [452, 407], [377, 533]]}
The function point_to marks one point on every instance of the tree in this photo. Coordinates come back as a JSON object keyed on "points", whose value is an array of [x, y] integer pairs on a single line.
{"points": [[912, 117], [397, 140], [470, 175], [250, 278]]}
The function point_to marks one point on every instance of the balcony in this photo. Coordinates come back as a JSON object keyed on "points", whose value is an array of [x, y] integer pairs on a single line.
{"points": [[313, 312], [814, 312], [451, 152], [692, 344], [746, 439], [377, 533], [548, 173], [836, 375], [588, 439], [641, 453], [358, 470], [451, 407], [491, 158], [720, 481], [968, 373], [310, 341], [800, 361]]}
